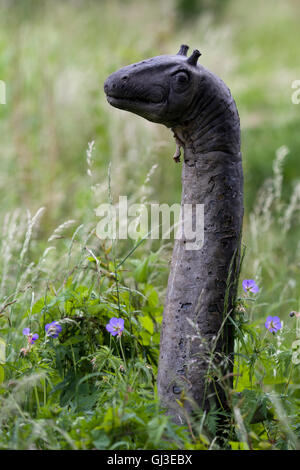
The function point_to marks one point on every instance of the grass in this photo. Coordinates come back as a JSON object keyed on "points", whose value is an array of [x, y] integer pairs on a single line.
{"points": [[79, 391]]}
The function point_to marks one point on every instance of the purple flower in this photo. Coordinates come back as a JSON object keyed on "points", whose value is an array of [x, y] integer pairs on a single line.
{"points": [[30, 337], [115, 326], [53, 329], [250, 286], [273, 324]]}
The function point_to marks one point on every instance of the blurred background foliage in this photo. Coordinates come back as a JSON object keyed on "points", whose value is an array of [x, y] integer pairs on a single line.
{"points": [[55, 56]]}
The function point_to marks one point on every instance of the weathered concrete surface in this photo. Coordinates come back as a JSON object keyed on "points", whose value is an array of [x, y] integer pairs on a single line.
{"points": [[197, 105]]}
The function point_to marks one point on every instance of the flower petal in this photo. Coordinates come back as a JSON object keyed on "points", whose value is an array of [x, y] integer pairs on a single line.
{"points": [[115, 326], [110, 328], [53, 329], [268, 321], [254, 288], [250, 285], [245, 285]]}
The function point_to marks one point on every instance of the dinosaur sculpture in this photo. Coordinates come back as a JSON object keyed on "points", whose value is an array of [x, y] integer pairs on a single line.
{"points": [[197, 335]]}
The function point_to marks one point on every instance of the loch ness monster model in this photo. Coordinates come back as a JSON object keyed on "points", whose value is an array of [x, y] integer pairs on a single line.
{"points": [[197, 338]]}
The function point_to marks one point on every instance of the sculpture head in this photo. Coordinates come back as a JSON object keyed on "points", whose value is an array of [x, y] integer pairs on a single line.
{"points": [[162, 89]]}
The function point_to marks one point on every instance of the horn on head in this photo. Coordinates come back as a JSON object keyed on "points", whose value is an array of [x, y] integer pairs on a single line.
{"points": [[183, 50], [193, 59]]}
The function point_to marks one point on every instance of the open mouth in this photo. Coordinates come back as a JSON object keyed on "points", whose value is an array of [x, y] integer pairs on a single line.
{"points": [[124, 101]]}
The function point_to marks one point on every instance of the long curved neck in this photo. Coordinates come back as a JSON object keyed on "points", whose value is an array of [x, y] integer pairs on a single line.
{"points": [[197, 299], [213, 122]]}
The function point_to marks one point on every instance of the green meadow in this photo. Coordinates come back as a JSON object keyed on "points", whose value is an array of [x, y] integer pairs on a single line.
{"points": [[65, 151]]}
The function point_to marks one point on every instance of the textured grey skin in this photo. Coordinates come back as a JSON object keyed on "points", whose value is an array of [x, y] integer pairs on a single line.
{"points": [[197, 105]]}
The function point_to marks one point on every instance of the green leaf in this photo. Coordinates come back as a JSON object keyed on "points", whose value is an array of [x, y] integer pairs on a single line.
{"points": [[235, 445], [145, 338], [152, 296], [147, 323], [1, 374], [74, 340], [2, 351], [141, 272], [101, 441]]}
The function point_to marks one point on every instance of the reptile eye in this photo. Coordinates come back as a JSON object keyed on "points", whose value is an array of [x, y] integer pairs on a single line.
{"points": [[180, 81], [181, 77]]}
